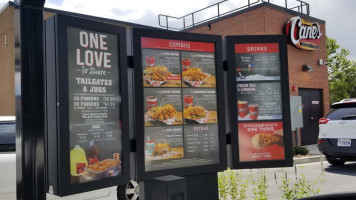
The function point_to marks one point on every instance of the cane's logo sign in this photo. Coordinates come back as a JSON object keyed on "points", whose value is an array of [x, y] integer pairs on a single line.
{"points": [[303, 34]]}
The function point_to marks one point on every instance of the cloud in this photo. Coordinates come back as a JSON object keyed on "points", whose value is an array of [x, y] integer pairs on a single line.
{"points": [[338, 16], [135, 11]]}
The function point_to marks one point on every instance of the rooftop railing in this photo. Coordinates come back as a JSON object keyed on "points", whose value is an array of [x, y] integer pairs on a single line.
{"points": [[216, 10]]}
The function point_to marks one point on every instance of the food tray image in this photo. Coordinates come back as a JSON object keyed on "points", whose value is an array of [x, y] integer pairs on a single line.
{"points": [[154, 83], [194, 76], [174, 153], [105, 173], [165, 114], [197, 83], [156, 75]]}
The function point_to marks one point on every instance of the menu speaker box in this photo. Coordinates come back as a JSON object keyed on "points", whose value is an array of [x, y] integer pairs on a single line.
{"points": [[165, 188], [203, 186]]}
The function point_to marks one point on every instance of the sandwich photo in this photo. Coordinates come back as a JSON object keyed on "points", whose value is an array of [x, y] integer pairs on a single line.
{"points": [[195, 112]]}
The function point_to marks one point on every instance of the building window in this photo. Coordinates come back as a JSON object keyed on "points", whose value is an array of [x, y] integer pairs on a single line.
{"points": [[5, 41]]}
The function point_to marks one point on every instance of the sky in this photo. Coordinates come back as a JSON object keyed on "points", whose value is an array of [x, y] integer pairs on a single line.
{"points": [[338, 14]]}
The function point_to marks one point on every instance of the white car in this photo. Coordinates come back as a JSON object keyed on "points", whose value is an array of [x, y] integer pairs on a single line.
{"points": [[337, 132], [7, 158]]}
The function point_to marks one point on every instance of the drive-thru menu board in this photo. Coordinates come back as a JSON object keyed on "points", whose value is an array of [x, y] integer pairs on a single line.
{"points": [[180, 112], [94, 105], [258, 85], [87, 84]]}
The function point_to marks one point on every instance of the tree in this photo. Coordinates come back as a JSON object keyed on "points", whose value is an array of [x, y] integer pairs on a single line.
{"points": [[342, 72]]}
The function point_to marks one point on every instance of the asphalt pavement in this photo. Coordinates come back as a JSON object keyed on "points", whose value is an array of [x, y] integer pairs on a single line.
{"points": [[321, 175]]}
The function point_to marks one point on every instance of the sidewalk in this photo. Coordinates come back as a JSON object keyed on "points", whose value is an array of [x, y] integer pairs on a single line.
{"points": [[314, 155], [313, 149]]}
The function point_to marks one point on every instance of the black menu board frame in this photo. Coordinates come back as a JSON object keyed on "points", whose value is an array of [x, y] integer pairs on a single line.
{"points": [[138, 34], [268, 80], [59, 105]]}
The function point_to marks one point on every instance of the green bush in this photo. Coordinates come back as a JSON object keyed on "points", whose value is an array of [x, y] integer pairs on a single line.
{"points": [[301, 188], [236, 185], [299, 150], [233, 185]]}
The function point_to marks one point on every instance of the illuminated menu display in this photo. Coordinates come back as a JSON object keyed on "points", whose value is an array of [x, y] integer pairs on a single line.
{"points": [[94, 105], [259, 102], [86, 99], [180, 104]]}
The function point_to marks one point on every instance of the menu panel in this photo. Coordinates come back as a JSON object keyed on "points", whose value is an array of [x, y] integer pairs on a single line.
{"points": [[198, 69], [163, 146], [259, 102], [257, 62], [180, 104], [202, 142], [199, 106], [261, 141], [94, 105], [178, 146], [163, 106], [162, 68]]}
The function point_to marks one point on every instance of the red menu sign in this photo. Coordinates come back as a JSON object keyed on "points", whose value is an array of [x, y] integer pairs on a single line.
{"points": [[257, 48], [261, 141], [177, 45]]}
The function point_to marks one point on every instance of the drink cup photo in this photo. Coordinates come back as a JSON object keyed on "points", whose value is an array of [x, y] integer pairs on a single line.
{"points": [[186, 63], [242, 108], [116, 156], [150, 61], [188, 101], [150, 146], [253, 110], [151, 102]]}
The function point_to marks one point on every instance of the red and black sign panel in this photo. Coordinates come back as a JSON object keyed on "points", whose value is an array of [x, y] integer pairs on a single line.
{"points": [[86, 104], [259, 101], [179, 106]]}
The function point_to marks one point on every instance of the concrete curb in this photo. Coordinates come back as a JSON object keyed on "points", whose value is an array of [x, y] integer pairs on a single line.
{"points": [[309, 159]]}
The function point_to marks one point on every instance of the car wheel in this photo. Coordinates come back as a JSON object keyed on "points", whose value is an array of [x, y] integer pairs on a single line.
{"points": [[335, 161], [129, 191]]}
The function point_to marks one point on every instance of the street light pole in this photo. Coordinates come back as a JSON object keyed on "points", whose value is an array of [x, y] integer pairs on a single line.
{"points": [[30, 100]]}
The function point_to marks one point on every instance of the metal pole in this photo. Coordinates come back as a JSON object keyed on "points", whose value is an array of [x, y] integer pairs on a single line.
{"points": [[301, 7], [167, 21], [218, 10], [30, 100], [193, 19], [286, 4]]}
